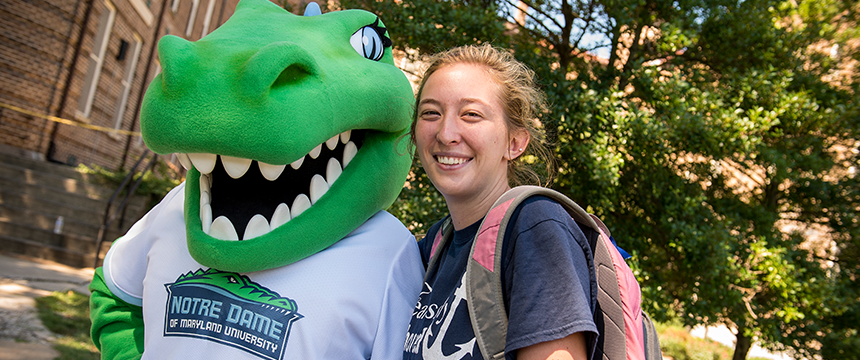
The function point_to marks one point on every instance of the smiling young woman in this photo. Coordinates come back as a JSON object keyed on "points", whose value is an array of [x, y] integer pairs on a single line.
{"points": [[462, 139], [475, 117]]}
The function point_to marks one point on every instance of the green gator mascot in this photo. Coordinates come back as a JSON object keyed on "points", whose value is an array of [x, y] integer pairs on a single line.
{"points": [[277, 245]]}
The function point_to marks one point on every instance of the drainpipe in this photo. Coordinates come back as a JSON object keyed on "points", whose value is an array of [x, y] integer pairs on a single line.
{"points": [[57, 77], [49, 154], [144, 83]]}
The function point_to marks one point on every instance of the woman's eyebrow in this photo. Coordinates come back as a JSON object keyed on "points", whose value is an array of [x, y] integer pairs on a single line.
{"points": [[428, 101], [465, 101]]}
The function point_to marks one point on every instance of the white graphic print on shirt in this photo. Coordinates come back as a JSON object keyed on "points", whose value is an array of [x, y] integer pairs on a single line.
{"points": [[231, 309], [441, 316]]}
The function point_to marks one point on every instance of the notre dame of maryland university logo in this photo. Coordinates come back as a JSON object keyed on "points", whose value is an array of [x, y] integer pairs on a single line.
{"points": [[231, 309]]}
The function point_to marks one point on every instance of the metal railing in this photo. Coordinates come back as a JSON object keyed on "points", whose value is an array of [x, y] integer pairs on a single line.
{"points": [[110, 217]]}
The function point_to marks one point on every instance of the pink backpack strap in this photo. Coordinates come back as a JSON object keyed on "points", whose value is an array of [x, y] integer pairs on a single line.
{"points": [[483, 280], [619, 297], [443, 234], [439, 239]]}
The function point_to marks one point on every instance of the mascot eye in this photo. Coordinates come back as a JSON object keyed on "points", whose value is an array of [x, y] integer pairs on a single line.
{"points": [[370, 41]]}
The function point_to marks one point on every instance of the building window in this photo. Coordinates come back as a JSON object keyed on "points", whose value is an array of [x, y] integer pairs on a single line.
{"points": [[125, 84], [94, 69], [143, 9], [208, 19], [191, 18]]}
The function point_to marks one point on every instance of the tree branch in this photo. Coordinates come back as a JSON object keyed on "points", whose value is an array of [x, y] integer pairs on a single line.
{"points": [[749, 294], [550, 34], [632, 51], [537, 10], [588, 21]]}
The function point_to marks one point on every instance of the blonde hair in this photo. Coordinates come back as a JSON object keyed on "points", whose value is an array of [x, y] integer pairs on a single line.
{"points": [[520, 96]]}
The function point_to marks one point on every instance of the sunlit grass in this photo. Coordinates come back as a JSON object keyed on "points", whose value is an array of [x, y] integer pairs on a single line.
{"points": [[68, 315]]}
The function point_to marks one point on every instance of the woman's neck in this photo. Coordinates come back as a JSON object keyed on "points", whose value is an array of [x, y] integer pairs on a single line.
{"points": [[467, 210]]}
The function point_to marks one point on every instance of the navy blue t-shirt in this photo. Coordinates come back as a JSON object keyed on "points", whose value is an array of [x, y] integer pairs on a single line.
{"points": [[549, 286]]}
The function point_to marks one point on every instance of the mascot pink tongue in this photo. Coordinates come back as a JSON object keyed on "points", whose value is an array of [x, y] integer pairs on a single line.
{"points": [[277, 246]]}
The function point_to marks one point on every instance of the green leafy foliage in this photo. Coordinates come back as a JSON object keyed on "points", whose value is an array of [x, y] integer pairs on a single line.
{"points": [[419, 205], [156, 183]]}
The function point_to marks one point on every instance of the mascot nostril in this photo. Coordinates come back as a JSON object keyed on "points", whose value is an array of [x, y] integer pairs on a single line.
{"points": [[278, 241], [277, 65]]}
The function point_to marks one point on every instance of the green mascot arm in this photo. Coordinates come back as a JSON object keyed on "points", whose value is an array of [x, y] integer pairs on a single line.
{"points": [[117, 328]]}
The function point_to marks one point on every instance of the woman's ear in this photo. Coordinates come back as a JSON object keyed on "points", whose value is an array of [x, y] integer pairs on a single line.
{"points": [[518, 142]]}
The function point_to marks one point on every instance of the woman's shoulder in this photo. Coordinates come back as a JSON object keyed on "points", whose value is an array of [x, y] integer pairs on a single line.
{"points": [[542, 216], [540, 208]]}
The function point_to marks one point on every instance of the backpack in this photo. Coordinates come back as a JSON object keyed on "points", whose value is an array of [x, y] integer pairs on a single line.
{"points": [[625, 331]]}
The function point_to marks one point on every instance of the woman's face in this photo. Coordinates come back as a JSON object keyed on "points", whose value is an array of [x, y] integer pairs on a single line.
{"points": [[461, 134]]}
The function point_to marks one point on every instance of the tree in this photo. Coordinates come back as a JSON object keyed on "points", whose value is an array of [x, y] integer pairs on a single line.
{"points": [[718, 140]]}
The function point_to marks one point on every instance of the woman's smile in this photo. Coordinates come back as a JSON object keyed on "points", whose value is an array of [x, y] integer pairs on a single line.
{"points": [[461, 133], [451, 160]]}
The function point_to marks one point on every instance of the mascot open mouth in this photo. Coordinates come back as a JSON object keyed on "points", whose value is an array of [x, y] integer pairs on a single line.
{"points": [[242, 199], [266, 118]]}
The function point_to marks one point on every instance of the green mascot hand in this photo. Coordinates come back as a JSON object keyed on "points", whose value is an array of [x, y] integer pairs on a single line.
{"points": [[117, 329]]}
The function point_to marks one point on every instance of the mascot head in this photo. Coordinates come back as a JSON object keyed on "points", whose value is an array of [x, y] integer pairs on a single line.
{"points": [[289, 126]]}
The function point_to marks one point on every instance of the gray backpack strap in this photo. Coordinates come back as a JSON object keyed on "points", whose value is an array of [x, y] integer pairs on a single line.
{"points": [[652, 343], [483, 271]]}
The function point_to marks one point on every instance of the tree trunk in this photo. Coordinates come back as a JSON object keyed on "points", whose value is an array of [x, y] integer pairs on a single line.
{"points": [[742, 346]]}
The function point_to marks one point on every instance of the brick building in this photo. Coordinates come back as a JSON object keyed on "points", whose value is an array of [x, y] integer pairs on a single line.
{"points": [[88, 61]]}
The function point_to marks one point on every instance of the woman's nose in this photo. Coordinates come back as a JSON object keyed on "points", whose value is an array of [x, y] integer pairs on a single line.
{"points": [[448, 132]]}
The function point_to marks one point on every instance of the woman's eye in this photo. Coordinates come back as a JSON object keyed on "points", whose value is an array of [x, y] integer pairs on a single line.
{"points": [[429, 113], [370, 41]]}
